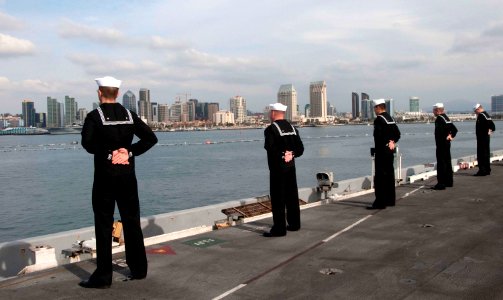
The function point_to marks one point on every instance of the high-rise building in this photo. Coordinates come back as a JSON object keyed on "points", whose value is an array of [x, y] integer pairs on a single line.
{"points": [[54, 110], [192, 109], [28, 108], [154, 108], [70, 111], [355, 105], [238, 108], [366, 107], [318, 100], [497, 104], [390, 106], [81, 115], [41, 120], [144, 107], [414, 104], [129, 101], [164, 113], [213, 107], [287, 95], [307, 110], [96, 105]]}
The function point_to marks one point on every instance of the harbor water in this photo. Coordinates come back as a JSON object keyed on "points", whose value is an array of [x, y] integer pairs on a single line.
{"points": [[46, 180]]}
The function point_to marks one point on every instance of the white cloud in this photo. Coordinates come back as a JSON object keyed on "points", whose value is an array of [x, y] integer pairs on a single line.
{"points": [[8, 22], [489, 40], [72, 30], [11, 46], [157, 42]]}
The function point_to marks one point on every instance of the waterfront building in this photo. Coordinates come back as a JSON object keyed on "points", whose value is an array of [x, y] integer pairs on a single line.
{"points": [[367, 108], [355, 105], [238, 108], [287, 95], [414, 104], [28, 109], [213, 107], [191, 109], [71, 107], [129, 101], [202, 111], [307, 110], [331, 111], [223, 117], [54, 109], [390, 107], [497, 104], [154, 108], [82, 113], [144, 107], [318, 100], [163, 113], [41, 120]]}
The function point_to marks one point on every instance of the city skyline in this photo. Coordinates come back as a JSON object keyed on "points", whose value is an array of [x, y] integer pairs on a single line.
{"points": [[439, 51]]}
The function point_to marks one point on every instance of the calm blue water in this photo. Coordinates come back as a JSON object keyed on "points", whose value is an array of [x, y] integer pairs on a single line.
{"points": [[46, 181]]}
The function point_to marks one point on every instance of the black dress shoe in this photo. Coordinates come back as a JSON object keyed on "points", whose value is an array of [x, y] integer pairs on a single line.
{"points": [[88, 284], [273, 234], [135, 277], [438, 187], [291, 228], [372, 207], [480, 174]]}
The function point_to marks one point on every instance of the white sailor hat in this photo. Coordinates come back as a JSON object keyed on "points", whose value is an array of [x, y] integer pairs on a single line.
{"points": [[108, 81], [277, 106], [378, 101], [438, 105], [476, 106]]}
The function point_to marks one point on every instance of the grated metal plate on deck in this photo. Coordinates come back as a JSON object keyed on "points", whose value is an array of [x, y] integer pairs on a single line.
{"points": [[262, 206]]}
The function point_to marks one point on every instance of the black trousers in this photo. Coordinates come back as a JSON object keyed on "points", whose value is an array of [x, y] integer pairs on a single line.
{"points": [[122, 189], [384, 179], [483, 154], [444, 165], [284, 200]]}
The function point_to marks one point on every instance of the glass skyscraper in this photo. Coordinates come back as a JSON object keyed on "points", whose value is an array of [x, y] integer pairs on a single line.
{"points": [[287, 95], [28, 108], [497, 104], [414, 104], [318, 100], [355, 105], [129, 101]]}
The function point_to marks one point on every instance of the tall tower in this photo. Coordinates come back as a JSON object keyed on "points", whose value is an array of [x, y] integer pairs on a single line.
{"points": [[70, 111], [53, 112], [366, 107], [129, 101], [144, 107], [287, 95], [213, 108], [238, 108], [355, 105], [414, 104], [497, 104], [390, 106], [318, 100], [28, 108]]}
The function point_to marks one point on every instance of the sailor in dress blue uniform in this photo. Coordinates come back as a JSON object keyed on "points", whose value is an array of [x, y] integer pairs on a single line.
{"points": [[108, 134]]}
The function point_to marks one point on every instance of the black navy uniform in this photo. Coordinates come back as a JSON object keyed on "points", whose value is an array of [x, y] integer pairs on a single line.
{"points": [[108, 128], [281, 136], [444, 127], [484, 124], [385, 130]]}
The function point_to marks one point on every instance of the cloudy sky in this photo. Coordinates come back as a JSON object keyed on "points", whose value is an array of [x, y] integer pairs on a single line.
{"points": [[440, 50]]}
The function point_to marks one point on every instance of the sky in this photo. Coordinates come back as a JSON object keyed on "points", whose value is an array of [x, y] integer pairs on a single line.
{"points": [[447, 51]]}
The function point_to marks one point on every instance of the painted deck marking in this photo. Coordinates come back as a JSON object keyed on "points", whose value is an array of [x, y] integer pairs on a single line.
{"points": [[227, 293]]}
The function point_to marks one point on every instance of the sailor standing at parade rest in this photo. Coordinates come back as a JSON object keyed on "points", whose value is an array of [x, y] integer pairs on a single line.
{"points": [[108, 133], [283, 145], [386, 135], [445, 131], [483, 129]]}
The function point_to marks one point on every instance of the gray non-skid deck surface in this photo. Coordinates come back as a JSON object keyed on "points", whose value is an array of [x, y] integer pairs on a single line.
{"points": [[432, 245]]}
